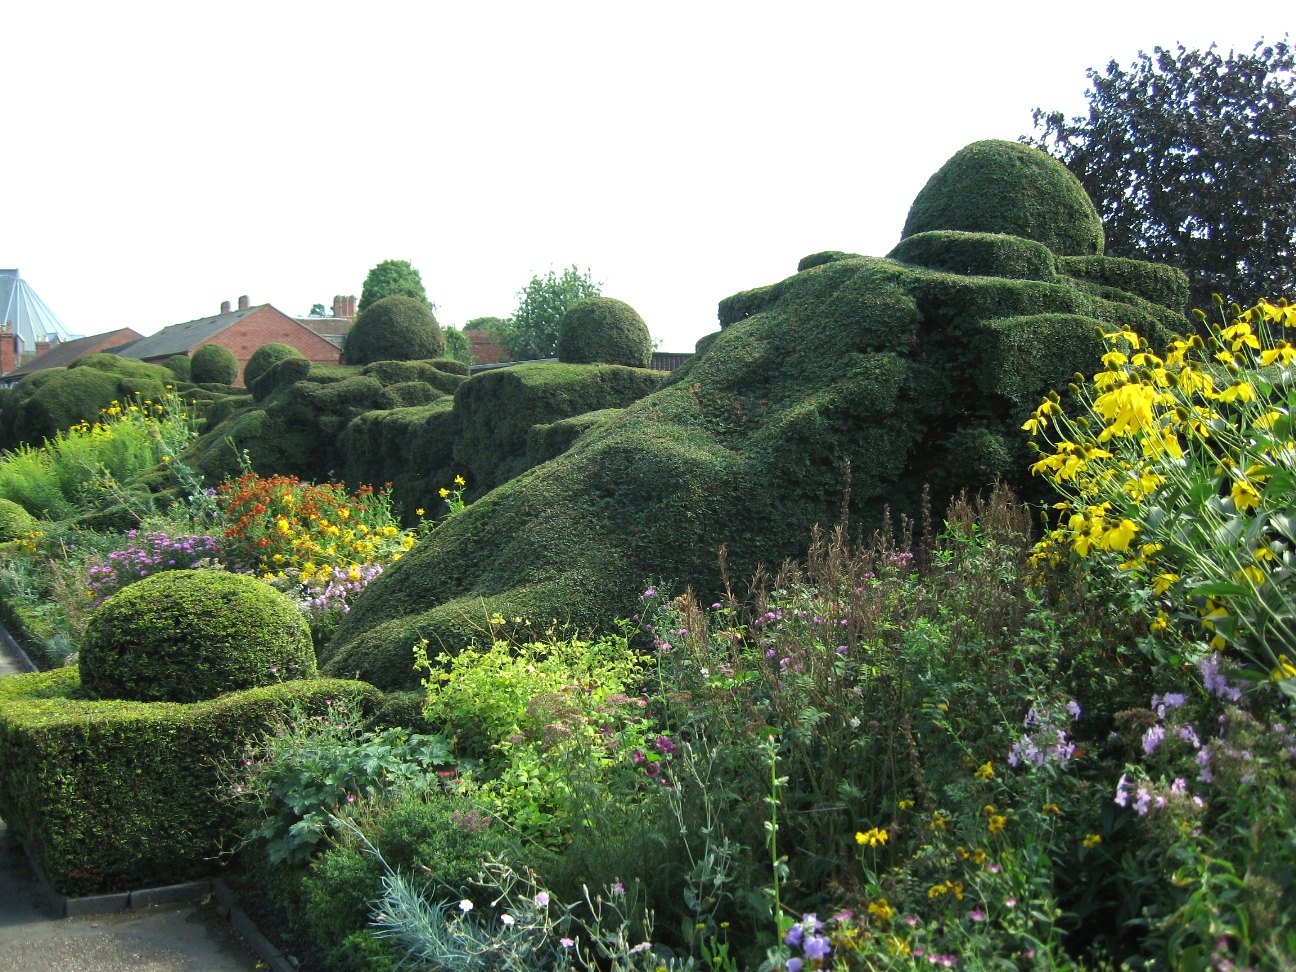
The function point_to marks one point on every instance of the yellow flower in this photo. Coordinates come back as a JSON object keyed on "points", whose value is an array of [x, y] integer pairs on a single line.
{"points": [[419, 511], [873, 838], [459, 481], [978, 856], [881, 909], [898, 946], [1161, 623], [961, 853], [906, 804], [343, 513], [1245, 495], [1284, 670], [444, 492], [1093, 840], [938, 820], [997, 822], [1053, 808], [986, 771], [1242, 392]]}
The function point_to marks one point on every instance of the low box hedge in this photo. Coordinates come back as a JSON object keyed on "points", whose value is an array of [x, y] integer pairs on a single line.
{"points": [[118, 795]]}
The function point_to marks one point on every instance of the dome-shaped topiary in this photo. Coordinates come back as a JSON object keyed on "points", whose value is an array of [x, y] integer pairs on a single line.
{"points": [[188, 635], [604, 330], [394, 329], [212, 364], [1005, 187], [15, 522], [180, 365], [264, 358]]}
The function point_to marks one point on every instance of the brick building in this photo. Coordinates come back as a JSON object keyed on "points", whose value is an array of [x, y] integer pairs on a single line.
{"points": [[484, 350], [59, 355], [240, 331], [334, 329]]}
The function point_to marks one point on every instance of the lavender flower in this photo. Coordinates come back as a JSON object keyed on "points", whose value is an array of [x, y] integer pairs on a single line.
{"points": [[1152, 739], [817, 947]]}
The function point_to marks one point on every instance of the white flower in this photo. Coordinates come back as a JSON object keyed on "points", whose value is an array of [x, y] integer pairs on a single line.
{"points": [[855, 723], [507, 919], [542, 899], [706, 672], [465, 906]]}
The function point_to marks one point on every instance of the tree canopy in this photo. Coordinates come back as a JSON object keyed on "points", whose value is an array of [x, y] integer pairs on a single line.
{"points": [[532, 331], [457, 345], [1190, 158], [393, 278]]}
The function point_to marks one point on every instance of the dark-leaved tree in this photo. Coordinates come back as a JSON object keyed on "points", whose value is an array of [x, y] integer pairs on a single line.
{"points": [[1190, 158], [532, 331], [393, 278]]}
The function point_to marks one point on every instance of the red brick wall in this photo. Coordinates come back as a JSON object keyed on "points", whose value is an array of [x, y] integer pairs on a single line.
{"points": [[484, 349], [269, 326]]}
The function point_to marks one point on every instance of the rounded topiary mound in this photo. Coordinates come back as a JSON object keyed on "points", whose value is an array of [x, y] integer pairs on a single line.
{"points": [[189, 635], [604, 330], [180, 365], [1005, 187], [266, 357], [212, 364], [15, 522], [394, 329]]}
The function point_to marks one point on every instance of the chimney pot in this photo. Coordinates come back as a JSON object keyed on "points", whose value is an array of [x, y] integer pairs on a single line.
{"points": [[225, 306], [243, 302]]}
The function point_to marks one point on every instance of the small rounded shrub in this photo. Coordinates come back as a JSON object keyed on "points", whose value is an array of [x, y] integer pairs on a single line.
{"points": [[394, 329], [1005, 187], [604, 330], [180, 365], [213, 364], [15, 522], [822, 257], [264, 358], [189, 635]]}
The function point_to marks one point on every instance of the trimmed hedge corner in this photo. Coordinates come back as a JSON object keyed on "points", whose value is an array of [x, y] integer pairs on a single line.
{"points": [[603, 330], [977, 255], [188, 635], [212, 364], [118, 795], [394, 329]]}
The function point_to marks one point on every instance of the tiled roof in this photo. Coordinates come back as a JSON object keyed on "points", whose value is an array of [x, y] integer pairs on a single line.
{"points": [[63, 353], [182, 338]]}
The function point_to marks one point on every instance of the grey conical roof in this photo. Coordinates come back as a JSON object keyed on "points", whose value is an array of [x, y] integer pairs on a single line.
{"points": [[26, 314]]}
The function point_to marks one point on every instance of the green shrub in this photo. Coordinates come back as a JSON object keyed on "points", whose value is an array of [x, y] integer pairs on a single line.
{"points": [[408, 394], [187, 635], [180, 365], [117, 795], [603, 330], [263, 359], [450, 366], [819, 259], [213, 364], [15, 521], [978, 255], [1005, 187], [394, 329], [279, 374], [435, 373], [1167, 286]]}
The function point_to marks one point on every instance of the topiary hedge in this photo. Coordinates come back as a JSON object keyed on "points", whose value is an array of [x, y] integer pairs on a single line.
{"points": [[824, 256], [263, 359], [1167, 286], [120, 795], [394, 329], [213, 364], [604, 330], [1005, 187], [15, 522], [180, 365], [189, 635], [977, 254]]}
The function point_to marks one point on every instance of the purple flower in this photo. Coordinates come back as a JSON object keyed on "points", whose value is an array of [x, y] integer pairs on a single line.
{"points": [[1142, 801], [715, 606], [977, 915], [1122, 791], [1189, 735], [1179, 787], [664, 745], [816, 947], [1152, 739], [794, 936], [811, 922], [1074, 708], [793, 965]]}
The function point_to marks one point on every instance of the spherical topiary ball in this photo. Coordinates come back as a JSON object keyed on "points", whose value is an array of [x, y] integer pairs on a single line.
{"points": [[394, 329], [15, 522], [606, 331], [188, 635], [212, 364], [266, 357], [1006, 187]]}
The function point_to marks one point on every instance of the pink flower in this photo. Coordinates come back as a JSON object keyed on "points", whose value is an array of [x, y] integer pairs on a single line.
{"points": [[977, 914], [542, 899], [566, 942], [1010, 902]]}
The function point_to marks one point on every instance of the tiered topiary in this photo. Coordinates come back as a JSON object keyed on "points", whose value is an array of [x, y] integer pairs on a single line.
{"points": [[213, 365], [1005, 187], [263, 359], [394, 329], [188, 635], [15, 522], [604, 330]]}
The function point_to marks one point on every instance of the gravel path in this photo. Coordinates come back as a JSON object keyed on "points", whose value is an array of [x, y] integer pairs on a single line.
{"points": [[174, 938]]}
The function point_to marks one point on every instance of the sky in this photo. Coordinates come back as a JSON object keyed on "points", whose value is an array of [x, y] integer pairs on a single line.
{"points": [[159, 158]]}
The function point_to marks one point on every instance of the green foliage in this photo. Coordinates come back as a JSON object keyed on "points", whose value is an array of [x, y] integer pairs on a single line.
{"points": [[180, 365], [394, 329], [280, 374], [458, 348], [188, 635], [979, 255], [603, 330], [118, 795], [263, 359], [824, 256], [15, 522], [532, 331], [1191, 158], [213, 364], [393, 278], [1153, 282], [1004, 187]]}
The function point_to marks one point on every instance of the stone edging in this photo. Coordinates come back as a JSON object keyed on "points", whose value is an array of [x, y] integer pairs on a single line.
{"points": [[101, 904], [13, 646]]}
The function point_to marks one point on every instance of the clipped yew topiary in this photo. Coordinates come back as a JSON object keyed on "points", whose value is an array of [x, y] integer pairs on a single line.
{"points": [[15, 522], [188, 635], [604, 330], [212, 364], [263, 359], [1005, 187], [180, 365], [394, 329]]}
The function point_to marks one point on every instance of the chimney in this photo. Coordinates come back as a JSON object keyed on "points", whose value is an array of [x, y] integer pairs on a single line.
{"points": [[225, 307], [344, 306], [42, 347], [8, 350], [243, 302]]}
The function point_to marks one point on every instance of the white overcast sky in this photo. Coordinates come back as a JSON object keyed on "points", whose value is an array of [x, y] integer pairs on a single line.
{"points": [[156, 159]]}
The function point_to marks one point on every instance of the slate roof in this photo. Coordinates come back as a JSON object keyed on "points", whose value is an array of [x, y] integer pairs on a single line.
{"points": [[182, 338], [28, 315], [60, 355]]}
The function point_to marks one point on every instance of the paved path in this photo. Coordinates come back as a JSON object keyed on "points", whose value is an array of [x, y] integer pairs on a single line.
{"points": [[179, 938]]}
